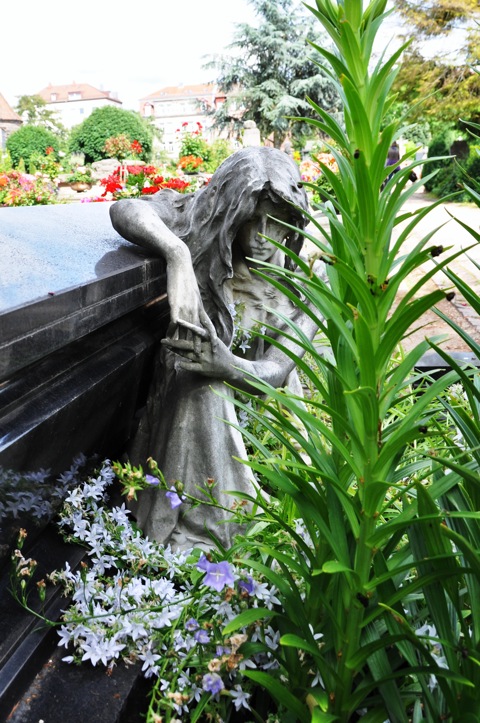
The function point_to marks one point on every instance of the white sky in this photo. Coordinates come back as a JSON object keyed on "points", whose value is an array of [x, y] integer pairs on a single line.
{"points": [[131, 48]]}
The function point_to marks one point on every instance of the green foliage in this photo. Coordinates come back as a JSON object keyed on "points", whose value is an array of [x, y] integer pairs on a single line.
{"points": [[46, 164], [220, 149], [194, 144], [451, 172], [37, 114], [272, 75], [89, 137], [5, 161], [472, 168], [439, 150], [378, 581], [28, 140], [441, 88], [436, 18]]}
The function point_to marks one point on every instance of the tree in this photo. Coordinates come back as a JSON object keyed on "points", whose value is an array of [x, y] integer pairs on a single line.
{"points": [[30, 140], [449, 94], [273, 72], [435, 18], [447, 85], [89, 137], [34, 111]]}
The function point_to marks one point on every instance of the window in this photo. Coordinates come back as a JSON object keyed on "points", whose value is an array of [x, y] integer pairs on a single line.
{"points": [[53, 96], [74, 95]]}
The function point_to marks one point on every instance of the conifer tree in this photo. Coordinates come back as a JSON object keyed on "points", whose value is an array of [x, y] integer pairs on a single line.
{"points": [[271, 71]]}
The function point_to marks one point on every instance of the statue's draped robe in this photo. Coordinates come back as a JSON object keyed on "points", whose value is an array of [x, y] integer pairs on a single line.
{"points": [[188, 428]]}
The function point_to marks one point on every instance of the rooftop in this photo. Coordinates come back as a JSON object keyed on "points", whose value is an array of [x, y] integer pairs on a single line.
{"points": [[64, 93], [6, 112]]}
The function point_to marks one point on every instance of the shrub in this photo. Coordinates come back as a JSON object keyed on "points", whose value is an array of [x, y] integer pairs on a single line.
{"points": [[438, 147], [473, 165], [104, 123], [193, 143], [30, 140], [220, 149]]}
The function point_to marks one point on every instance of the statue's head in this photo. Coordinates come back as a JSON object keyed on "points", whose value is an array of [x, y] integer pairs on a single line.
{"points": [[250, 185], [249, 180]]}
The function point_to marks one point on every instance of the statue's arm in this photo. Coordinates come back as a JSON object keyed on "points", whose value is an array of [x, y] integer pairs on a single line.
{"points": [[217, 361], [138, 222]]}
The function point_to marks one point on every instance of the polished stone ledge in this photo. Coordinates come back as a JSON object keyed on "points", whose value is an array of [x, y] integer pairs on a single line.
{"points": [[65, 272]]}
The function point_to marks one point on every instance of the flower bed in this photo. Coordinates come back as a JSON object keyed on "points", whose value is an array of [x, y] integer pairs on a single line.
{"points": [[25, 189]]}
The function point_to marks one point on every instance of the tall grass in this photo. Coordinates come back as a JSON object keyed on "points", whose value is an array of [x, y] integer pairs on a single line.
{"points": [[372, 533]]}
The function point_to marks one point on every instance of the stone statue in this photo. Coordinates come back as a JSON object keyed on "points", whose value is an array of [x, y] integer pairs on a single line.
{"points": [[210, 242]]}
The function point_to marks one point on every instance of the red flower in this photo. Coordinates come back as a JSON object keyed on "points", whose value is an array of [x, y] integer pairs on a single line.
{"points": [[48, 150], [176, 183], [111, 183], [184, 124], [148, 190], [135, 170], [137, 147]]}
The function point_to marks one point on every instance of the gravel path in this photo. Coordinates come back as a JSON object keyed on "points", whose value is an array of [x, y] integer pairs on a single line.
{"points": [[453, 237]]}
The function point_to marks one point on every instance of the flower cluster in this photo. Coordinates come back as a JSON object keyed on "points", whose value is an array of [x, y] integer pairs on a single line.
{"points": [[190, 163], [309, 170], [138, 181], [122, 147], [34, 496], [25, 189], [328, 160], [142, 602], [193, 144]]}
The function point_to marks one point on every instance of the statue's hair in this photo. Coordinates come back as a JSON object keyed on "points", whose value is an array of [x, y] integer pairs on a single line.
{"points": [[209, 220]]}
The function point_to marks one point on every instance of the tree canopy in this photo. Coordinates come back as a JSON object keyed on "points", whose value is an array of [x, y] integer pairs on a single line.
{"points": [[89, 137], [448, 85], [438, 16], [34, 111], [272, 71]]}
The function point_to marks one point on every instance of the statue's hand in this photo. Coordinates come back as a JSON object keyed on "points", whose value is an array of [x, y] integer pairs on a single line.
{"points": [[204, 353]]}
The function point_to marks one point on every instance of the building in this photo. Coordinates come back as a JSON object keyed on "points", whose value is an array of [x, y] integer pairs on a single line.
{"points": [[9, 121], [76, 102], [172, 107]]}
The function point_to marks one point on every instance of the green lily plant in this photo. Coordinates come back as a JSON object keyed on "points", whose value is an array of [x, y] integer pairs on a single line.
{"points": [[372, 533]]}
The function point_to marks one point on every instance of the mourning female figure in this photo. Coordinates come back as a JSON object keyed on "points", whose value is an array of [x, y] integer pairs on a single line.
{"points": [[211, 241]]}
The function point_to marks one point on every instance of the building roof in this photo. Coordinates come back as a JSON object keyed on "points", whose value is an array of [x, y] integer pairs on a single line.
{"points": [[181, 91], [6, 112], [87, 92]]}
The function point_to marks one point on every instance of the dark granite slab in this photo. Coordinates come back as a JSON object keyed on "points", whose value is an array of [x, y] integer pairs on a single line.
{"points": [[80, 312], [64, 272]]}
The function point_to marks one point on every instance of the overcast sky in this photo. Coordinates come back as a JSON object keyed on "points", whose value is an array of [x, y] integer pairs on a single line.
{"points": [[132, 50]]}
